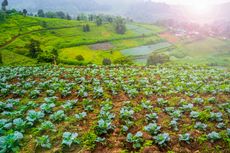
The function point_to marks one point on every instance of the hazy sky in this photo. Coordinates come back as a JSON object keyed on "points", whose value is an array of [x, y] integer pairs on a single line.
{"points": [[192, 1]]}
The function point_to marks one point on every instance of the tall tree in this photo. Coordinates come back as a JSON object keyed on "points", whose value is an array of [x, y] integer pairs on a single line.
{"points": [[41, 13], [4, 5], [68, 17], [55, 56], [61, 14], [120, 26], [24, 12], [34, 48], [98, 21]]}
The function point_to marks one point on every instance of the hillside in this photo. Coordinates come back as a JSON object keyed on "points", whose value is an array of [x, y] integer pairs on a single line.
{"points": [[17, 31], [139, 10]]}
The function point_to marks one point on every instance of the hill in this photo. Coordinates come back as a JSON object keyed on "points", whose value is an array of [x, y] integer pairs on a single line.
{"points": [[17, 32]]}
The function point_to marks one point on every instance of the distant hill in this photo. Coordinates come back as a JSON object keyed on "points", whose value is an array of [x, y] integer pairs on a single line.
{"points": [[139, 10], [71, 6]]}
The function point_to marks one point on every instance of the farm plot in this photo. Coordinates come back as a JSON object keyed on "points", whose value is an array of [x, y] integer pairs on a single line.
{"points": [[145, 50], [138, 29], [114, 109]]}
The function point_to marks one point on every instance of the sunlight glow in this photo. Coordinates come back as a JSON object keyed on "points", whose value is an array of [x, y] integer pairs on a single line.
{"points": [[200, 7]]}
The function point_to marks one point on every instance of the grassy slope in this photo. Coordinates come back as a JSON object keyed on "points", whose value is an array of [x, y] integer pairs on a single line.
{"points": [[69, 36], [205, 51]]}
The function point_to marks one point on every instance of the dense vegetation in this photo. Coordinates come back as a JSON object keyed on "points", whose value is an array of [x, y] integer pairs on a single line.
{"points": [[114, 109]]}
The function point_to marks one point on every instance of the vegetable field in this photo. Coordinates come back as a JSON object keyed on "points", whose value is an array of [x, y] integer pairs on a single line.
{"points": [[114, 109]]}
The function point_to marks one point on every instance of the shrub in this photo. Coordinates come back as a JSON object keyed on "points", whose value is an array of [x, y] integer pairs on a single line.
{"points": [[124, 61], [157, 58], [79, 58], [106, 61]]}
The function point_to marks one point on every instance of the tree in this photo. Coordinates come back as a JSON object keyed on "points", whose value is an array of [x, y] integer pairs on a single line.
{"points": [[124, 61], [120, 26], [98, 21], [50, 15], [1, 62], [24, 12], [4, 4], [86, 28], [106, 61], [157, 58], [79, 58], [34, 48], [68, 17], [41, 13], [2, 16], [60, 14], [55, 55]]}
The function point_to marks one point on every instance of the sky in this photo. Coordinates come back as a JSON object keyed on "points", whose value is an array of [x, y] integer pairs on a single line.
{"points": [[189, 2]]}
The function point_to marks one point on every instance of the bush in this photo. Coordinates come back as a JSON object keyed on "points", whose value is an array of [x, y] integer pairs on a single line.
{"points": [[45, 57], [124, 60], [79, 58], [157, 58], [106, 61]]}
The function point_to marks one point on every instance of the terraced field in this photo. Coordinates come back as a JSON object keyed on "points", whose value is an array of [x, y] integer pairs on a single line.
{"points": [[18, 30], [114, 109], [141, 53]]}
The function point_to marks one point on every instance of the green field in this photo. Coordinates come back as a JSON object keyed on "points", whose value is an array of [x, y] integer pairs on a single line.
{"points": [[68, 37], [114, 109], [209, 50]]}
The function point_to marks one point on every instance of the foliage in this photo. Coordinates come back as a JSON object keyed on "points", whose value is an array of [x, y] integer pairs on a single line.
{"points": [[136, 139], [58, 116], [70, 138], [185, 137], [106, 61], [162, 139], [81, 116], [157, 58], [1, 60], [44, 141], [200, 126], [104, 126], [120, 27], [79, 58], [214, 136], [123, 61], [47, 126], [34, 48], [152, 128]]}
